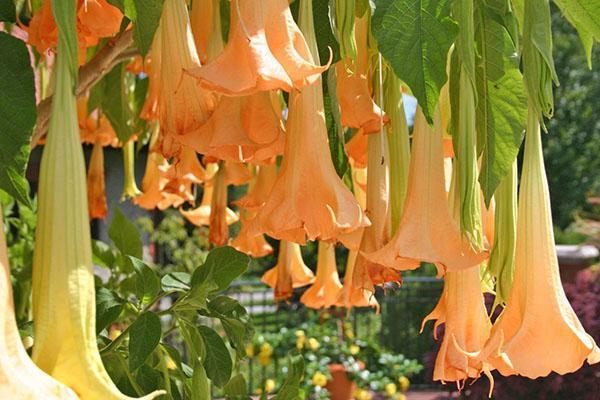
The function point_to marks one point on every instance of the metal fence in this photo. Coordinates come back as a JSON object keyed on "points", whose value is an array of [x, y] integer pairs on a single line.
{"points": [[397, 326]]}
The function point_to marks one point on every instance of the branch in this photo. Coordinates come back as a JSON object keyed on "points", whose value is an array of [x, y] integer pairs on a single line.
{"points": [[89, 74]]}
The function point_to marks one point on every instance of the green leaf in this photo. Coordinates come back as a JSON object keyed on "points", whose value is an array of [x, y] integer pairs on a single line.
{"points": [[291, 390], [144, 336], [7, 11], [326, 42], [236, 388], [502, 103], [235, 320], [193, 340], [17, 116], [584, 15], [415, 36], [222, 266], [147, 282], [218, 363], [115, 104], [108, 308], [103, 254], [200, 383], [177, 281], [148, 14], [124, 235]]}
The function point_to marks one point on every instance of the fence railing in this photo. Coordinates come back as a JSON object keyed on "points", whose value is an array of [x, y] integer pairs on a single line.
{"points": [[397, 326]]}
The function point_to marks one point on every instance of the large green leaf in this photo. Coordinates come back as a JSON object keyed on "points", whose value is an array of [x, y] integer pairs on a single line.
{"points": [[200, 383], [144, 336], [108, 308], [501, 101], [124, 235], [217, 361], [584, 15], [7, 11], [221, 267], [17, 115], [147, 283], [145, 15], [415, 36]]}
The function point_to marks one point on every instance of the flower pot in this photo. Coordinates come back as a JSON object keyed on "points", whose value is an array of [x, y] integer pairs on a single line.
{"points": [[340, 387]]}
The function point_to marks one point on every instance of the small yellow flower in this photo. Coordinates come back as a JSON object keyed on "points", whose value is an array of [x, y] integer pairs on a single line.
{"points": [[313, 343], [264, 359], [319, 379], [354, 349], [269, 385], [266, 349], [390, 389], [362, 394], [300, 344], [250, 350], [349, 334], [299, 333], [404, 383], [400, 396]]}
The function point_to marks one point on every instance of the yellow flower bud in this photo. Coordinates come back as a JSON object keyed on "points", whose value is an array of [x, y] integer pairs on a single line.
{"points": [[250, 350], [313, 344], [354, 349], [269, 385], [299, 333]]}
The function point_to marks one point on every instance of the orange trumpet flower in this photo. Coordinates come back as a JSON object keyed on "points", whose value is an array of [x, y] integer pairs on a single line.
{"points": [[241, 129], [200, 216], [153, 183], [96, 192], [182, 106], [254, 246], [366, 273], [205, 20], [218, 233], [309, 200], [19, 377], [246, 65], [289, 273], [357, 108], [326, 289], [461, 309], [538, 331], [258, 194], [289, 46], [427, 231], [356, 148]]}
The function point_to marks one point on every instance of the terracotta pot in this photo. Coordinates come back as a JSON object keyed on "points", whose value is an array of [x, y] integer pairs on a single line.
{"points": [[340, 387]]}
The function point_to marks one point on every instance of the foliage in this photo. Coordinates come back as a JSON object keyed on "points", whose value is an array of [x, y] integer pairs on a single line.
{"points": [[324, 340]]}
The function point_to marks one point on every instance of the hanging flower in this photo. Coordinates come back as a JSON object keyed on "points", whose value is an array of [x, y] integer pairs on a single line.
{"points": [[538, 331], [326, 289], [200, 216], [289, 273], [20, 378], [246, 65], [258, 194], [309, 200], [357, 108], [254, 246], [427, 231], [182, 106], [95, 184], [356, 148], [205, 20], [241, 129]]}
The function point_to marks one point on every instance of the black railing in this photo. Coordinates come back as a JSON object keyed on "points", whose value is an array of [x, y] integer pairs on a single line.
{"points": [[397, 326]]}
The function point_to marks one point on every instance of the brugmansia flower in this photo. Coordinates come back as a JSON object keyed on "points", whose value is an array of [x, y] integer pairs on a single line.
{"points": [[366, 273], [357, 108], [254, 246], [309, 200], [241, 129], [258, 194], [326, 289], [501, 264], [353, 294], [95, 184], [356, 148], [205, 20], [427, 232], [200, 216], [63, 279], [538, 331], [182, 106], [218, 233], [95, 127], [246, 65], [95, 19], [461, 308], [19, 377], [154, 181], [289, 273]]}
